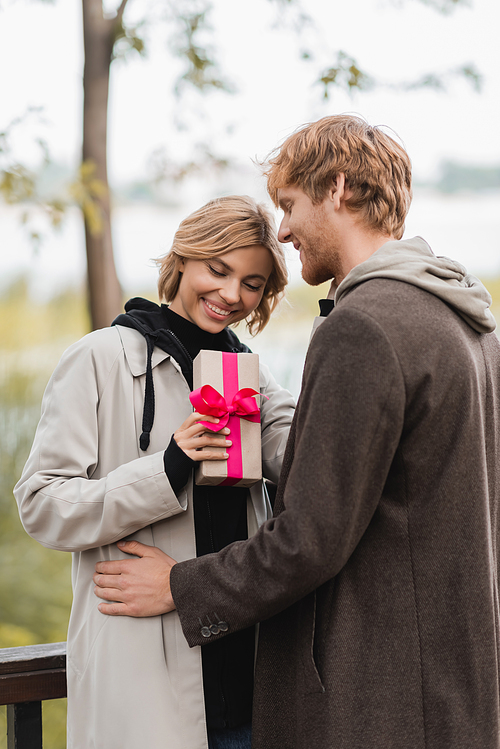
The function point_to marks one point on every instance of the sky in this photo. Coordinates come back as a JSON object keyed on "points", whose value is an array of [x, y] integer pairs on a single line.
{"points": [[259, 51], [259, 46]]}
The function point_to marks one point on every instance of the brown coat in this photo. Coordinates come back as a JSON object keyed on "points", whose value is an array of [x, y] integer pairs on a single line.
{"points": [[383, 556]]}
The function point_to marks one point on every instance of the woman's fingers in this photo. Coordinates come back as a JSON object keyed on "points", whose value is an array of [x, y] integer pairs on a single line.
{"points": [[206, 439], [202, 439], [194, 418], [198, 429], [193, 426], [206, 454], [198, 447], [196, 440]]}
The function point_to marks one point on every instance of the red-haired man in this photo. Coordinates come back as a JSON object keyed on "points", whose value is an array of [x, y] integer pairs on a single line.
{"points": [[376, 581]]}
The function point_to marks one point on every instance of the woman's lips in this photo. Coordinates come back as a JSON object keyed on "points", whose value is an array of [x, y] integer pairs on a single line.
{"points": [[215, 310]]}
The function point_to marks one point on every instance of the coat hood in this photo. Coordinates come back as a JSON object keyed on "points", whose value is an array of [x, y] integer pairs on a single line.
{"points": [[413, 261]]}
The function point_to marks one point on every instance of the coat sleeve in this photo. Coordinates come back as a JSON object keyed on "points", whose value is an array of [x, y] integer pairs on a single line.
{"points": [[60, 504], [277, 410], [348, 425]]}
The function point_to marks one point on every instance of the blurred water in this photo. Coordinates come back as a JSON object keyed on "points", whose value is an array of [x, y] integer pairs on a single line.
{"points": [[465, 227]]}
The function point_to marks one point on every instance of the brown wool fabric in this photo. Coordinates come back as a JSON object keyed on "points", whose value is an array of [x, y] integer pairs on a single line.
{"points": [[377, 581]]}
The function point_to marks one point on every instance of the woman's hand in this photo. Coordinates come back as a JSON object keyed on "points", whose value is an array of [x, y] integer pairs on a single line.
{"points": [[192, 436]]}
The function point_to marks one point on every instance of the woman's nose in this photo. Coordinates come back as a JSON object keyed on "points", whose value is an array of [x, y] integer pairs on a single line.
{"points": [[230, 291], [284, 234]]}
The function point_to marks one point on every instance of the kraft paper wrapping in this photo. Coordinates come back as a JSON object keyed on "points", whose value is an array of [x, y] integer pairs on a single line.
{"points": [[228, 373]]}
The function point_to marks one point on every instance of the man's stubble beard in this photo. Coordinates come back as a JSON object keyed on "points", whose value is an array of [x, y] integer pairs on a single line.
{"points": [[319, 268]]}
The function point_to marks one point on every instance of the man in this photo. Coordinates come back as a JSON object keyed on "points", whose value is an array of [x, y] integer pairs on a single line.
{"points": [[377, 580]]}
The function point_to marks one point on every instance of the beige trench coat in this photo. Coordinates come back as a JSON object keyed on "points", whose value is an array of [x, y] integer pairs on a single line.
{"points": [[131, 682]]}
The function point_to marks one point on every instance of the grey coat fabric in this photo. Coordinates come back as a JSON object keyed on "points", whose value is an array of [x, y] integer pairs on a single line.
{"points": [[378, 577]]}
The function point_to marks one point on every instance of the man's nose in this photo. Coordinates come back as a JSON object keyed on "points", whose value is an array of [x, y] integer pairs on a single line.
{"points": [[284, 234]]}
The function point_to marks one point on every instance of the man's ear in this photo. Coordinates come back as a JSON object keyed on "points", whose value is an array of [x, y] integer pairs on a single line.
{"points": [[338, 190]]}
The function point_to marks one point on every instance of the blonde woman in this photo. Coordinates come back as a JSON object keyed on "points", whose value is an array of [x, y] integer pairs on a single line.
{"points": [[113, 458]]}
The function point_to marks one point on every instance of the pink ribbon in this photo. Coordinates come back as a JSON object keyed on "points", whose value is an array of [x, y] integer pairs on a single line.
{"points": [[229, 408], [209, 402]]}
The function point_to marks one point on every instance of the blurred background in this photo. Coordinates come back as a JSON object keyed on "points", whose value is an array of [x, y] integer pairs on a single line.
{"points": [[193, 95]]}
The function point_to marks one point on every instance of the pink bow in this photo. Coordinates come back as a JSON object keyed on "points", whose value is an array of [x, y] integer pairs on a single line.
{"points": [[208, 401]]}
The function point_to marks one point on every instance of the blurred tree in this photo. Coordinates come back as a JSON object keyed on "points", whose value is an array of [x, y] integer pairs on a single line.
{"points": [[99, 36], [107, 37], [18, 184]]}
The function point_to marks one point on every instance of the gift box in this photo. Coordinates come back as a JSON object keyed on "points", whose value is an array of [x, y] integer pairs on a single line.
{"points": [[227, 386]]}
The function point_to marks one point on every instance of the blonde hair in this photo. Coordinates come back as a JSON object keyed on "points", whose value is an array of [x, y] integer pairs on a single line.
{"points": [[377, 169], [222, 225]]}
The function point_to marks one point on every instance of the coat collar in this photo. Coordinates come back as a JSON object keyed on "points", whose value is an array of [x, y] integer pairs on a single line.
{"points": [[135, 350]]}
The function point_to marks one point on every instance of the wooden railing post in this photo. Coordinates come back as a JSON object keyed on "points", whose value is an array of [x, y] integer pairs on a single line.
{"points": [[24, 726], [28, 676]]}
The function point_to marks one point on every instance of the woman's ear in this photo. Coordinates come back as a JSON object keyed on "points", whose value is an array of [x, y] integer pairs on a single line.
{"points": [[182, 263]]}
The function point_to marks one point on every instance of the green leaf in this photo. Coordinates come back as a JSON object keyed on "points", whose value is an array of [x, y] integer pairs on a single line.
{"points": [[86, 191], [202, 70], [126, 40], [345, 74]]}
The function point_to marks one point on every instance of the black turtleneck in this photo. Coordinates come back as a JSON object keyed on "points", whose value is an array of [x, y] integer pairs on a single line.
{"points": [[193, 338], [325, 307]]}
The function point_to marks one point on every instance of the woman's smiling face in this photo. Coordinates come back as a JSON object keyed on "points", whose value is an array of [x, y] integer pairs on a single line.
{"points": [[222, 289]]}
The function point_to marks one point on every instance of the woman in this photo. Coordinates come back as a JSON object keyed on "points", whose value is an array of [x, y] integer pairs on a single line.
{"points": [[113, 457]]}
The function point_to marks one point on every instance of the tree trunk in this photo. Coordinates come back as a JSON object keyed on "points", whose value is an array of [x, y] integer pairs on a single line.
{"points": [[104, 291]]}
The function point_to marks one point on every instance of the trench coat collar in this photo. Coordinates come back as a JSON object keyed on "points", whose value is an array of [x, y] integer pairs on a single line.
{"points": [[134, 346]]}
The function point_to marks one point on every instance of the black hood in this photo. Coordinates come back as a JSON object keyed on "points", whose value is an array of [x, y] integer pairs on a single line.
{"points": [[152, 321]]}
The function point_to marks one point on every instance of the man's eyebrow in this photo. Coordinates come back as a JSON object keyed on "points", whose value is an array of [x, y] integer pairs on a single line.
{"points": [[284, 203], [230, 270]]}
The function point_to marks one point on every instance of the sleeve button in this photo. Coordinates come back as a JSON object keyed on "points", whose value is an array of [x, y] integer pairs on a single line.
{"points": [[205, 632], [223, 626], [214, 629]]}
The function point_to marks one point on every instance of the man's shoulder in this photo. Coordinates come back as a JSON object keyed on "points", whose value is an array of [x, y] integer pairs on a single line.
{"points": [[377, 302], [357, 320], [400, 313], [410, 319], [389, 302], [376, 292]]}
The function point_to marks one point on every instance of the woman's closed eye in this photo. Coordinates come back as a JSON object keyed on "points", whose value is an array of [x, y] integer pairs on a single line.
{"points": [[222, 274], [215, 272], [252, 287]]}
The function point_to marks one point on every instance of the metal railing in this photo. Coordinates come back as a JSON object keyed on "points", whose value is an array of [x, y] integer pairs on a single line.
{"points": [[28, 676]]}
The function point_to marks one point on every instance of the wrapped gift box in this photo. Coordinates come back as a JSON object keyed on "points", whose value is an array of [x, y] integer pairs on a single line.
{"points": [[225, 385]]}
